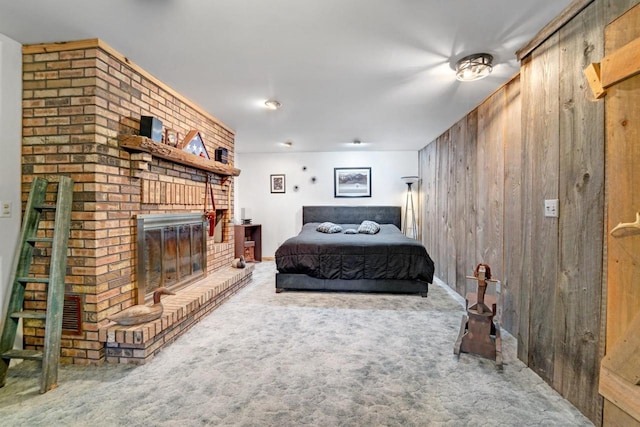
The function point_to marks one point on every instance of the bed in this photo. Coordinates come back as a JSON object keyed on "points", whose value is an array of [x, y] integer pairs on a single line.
{"points": [[387, 261]]}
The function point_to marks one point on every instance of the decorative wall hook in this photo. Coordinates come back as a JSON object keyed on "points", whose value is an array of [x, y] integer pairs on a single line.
{"points": [[630, 227]]}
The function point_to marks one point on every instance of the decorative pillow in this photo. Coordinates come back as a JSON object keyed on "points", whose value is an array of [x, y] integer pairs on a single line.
{"points": [[350, 231], [329, 227], [369, 227]]}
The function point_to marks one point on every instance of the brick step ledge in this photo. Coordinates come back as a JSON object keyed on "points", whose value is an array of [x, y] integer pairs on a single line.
{"points": [[138, 344]]}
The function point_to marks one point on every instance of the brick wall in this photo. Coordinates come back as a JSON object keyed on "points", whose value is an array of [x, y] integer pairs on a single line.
{"points": [[77, 98]]}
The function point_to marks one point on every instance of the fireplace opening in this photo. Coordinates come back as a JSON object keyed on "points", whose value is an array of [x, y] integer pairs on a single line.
{"points": [[171, 252]]}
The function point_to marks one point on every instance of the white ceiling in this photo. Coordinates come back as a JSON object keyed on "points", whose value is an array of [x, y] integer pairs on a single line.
{"points": [[375, 70]]}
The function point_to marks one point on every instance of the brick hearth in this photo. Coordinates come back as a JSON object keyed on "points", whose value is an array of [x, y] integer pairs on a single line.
{"points": [[138, 344]]}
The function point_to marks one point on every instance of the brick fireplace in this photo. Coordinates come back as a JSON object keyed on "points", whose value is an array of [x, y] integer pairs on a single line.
{"points": [[79, 100]]}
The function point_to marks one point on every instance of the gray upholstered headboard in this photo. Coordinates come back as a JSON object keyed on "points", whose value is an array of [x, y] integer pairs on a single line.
{"points": [[353, 214]]}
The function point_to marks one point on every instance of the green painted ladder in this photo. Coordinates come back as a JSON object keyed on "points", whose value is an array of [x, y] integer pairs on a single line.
{"points": [[50, 355]]}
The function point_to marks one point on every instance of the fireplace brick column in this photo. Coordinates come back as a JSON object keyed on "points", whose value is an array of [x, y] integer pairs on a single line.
{"points": [[77, 98]]}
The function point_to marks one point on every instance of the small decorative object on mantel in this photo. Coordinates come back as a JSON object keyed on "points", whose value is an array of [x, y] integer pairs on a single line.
{"points": [[479, 334], [194, 144], [151, 127], [222, 155], [171, 137], [142, 313]]}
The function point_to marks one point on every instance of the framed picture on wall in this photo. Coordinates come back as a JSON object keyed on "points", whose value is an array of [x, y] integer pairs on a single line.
{"points": [[352, 182], [278, 184]]}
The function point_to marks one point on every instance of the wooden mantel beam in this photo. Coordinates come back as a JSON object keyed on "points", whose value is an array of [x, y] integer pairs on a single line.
{"points": [[614, 68], [176, 155]]}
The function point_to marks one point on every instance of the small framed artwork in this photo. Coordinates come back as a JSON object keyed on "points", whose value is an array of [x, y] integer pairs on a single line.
{"points": [[352, 182], [277, 184], [171, 137]]}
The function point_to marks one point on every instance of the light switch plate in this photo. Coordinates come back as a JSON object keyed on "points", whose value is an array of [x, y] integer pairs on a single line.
{"points": [[5, 209], [551, 208]]}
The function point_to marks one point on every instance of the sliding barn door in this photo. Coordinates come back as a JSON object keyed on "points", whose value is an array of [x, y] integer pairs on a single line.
{"points": [[622, 104]]}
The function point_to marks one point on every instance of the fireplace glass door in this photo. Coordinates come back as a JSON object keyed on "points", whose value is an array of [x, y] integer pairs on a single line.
{"points": [[170, 251]]}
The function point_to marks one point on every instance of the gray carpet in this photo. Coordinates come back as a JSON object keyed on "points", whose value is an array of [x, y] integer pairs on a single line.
{"points": [[301, 358]]}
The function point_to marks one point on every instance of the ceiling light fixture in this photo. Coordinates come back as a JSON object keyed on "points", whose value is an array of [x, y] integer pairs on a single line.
{"points": [[272, 104], [474, 67]]}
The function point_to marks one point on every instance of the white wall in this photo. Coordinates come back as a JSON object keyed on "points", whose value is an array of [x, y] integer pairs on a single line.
{"points": [[281, 214], [10, 146]]}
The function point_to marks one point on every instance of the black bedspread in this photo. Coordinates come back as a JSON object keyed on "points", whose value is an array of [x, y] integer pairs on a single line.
{"points": [[385, 255]]}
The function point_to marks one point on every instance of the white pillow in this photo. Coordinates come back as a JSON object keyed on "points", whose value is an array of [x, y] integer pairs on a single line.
{"points": [[369, 227], [329, 227]]}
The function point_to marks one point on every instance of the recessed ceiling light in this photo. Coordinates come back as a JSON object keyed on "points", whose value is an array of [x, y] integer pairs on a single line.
{"points": [[474, 67], [272, 104]]}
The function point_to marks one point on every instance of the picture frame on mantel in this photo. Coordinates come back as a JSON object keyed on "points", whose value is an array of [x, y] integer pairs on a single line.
{"points": [[171, 137], [194, 144], [352, 182], [278, 183]]}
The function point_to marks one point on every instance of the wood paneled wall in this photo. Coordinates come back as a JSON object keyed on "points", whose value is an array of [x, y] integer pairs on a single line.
{"points": [[463, 182], [541, 136]]}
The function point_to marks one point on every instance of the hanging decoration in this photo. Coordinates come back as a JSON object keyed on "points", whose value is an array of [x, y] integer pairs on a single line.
{"points": [[210, 215]]}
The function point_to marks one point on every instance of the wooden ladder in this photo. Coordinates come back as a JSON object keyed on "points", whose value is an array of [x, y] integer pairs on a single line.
{"points": [[50, 355]]}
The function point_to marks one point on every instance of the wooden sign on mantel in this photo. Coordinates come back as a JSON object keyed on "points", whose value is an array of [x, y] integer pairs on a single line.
{"points": [[176, 155]]}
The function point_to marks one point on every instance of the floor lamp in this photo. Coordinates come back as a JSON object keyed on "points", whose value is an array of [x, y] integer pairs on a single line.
{"points": [[410, 224]]}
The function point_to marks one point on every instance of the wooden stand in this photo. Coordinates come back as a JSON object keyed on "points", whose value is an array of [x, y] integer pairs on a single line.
{"points": [[248, 242], [479, 334]]}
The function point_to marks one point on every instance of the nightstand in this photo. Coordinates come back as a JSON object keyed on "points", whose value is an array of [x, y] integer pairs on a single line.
{"points": [[248, 242]]}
